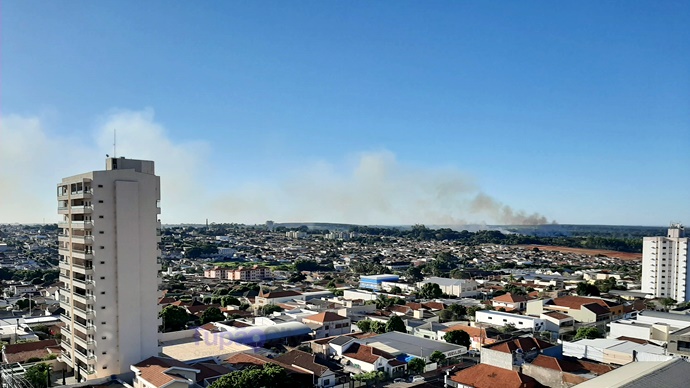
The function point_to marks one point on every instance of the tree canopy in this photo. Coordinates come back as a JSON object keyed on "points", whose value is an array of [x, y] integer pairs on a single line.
{"points": [[212, 314], [416, 365], [268, 376], [38, 375], [395, 323], [437, 357], [588, 333], [430, 291], [458, 337], [174, 318]]}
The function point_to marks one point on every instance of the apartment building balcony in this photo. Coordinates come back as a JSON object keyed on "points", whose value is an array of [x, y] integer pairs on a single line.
{"points": [[79, 266], [82, 298], [75, 209], [82, 254], [75, 224], [75, 239], [87, 313], [85, 343], [88, 329], [84, 356], [65, 356]]}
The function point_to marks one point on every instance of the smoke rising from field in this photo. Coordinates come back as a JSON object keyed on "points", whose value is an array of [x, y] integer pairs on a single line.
{"points": [[375, 189], [367, 188]]}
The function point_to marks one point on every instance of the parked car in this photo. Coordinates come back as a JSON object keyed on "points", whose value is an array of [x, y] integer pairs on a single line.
{"points": [[416, 379], [399, 380]]}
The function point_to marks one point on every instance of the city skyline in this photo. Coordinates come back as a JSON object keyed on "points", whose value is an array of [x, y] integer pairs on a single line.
{"points": [[443, 113]]}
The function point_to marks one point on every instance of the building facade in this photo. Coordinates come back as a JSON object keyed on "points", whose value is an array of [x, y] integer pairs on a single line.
{"points": [[108, 250], [374, 282], [665, 265]]}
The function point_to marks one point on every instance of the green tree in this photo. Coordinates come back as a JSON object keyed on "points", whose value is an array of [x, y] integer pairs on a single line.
{"points": [[458, 337], [508, 328], [38, 375], [588, 333], [430, 291], [437, 357], [377, 327], [24, 304], [414, 273], [586, 289], [364, 325], [370, 377], [268, 376], [212, 314], [668, 303], [174, 318], [396, 290], [416, 365], [229, 300], [395, 323]]}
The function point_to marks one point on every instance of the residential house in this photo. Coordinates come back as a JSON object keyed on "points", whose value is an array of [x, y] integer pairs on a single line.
{"points": [[489, 376], [480, 336], [586, 311], [323, 376], [510, 302], [369, 359], [327, 324], [276, 297], [502, 319], [515, 352], [456, 287], [160, 372], [557, 322], [555, 372], [23, 352]]}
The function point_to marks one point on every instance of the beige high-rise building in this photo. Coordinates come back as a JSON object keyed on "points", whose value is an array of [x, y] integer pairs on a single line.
{"points": [[108, 247], [665, 264]]}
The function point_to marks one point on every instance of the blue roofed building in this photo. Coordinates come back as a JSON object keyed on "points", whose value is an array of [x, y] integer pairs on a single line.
{"points": [[373, 282]]}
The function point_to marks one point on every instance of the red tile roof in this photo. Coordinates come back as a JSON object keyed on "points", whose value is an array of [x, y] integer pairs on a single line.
{"points": [[324, 317], [489, 376], [303, 360], [557, 315], [259, 360], [366, 353], [576, 302], [156, 370], [525, 344], [510, 298]]}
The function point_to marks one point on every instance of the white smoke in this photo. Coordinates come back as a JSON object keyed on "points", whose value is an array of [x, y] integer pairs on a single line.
{"points": [[369, 188]]}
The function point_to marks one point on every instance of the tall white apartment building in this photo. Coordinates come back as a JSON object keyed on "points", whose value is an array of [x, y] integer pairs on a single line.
{"points": [[665, 263], [108, 247]]}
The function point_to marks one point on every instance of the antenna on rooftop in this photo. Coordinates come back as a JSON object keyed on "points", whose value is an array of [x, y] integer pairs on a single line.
{"points": [[114, 142]]}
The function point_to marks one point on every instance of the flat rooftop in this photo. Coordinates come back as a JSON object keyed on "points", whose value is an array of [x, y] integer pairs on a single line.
{"points": [[397, 344], [205, 347]]}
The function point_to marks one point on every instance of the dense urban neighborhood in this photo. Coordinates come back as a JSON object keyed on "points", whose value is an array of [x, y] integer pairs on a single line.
{"points": [[266, 304]]}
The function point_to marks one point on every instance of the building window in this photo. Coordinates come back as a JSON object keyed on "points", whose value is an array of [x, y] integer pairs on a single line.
{"points": [[100, 216], [101, 232], [102, 277], [100, 201]]}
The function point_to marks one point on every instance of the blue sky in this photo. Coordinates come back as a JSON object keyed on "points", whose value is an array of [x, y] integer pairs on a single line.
{"points": [[365, 112]]}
